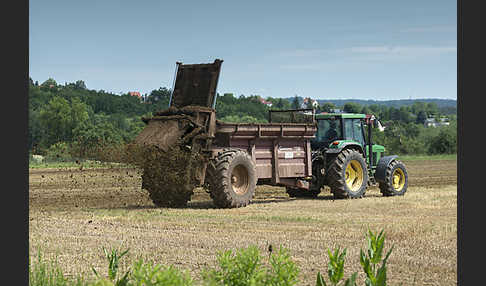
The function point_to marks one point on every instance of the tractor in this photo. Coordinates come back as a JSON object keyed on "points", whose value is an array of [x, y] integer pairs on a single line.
{"points": [[345, 159]]}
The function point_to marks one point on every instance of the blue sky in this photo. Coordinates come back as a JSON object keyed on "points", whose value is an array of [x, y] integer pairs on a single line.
{"points": [[321, 49]]}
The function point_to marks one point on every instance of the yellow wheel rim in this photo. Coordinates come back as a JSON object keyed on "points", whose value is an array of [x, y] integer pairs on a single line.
{"points": [[398, 179], [354, 175]]}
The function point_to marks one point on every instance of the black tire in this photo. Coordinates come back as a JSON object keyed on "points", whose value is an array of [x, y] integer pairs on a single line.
{"points": [[396, 179], [302, 193], [337, 175], [232, 178]]}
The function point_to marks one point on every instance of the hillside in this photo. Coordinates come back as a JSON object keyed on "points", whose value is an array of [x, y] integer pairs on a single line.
{"points": [[395, 103]]}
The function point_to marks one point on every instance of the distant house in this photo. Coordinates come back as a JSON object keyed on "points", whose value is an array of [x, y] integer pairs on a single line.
{"points": [[135, 93], [263, 101], [432, 122], [306, 101]]}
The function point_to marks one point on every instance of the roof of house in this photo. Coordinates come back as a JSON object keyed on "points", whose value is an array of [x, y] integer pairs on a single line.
{"points": [[134, 93]]}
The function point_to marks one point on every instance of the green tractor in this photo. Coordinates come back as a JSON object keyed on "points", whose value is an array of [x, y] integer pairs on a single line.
{"points": [[342, 160]]}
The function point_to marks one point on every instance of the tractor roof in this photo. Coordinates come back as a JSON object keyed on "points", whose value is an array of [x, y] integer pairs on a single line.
{"points": [[337, 115]]}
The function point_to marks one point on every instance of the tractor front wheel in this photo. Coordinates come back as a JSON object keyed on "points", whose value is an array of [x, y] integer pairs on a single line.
{"points": [[396, 179]]}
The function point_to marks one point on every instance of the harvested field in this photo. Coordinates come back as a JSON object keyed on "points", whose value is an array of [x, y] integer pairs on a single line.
{"points": [[73, 213]]}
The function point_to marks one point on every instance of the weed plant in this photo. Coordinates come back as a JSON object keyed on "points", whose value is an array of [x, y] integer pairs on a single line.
{"points": [[244, 267]]}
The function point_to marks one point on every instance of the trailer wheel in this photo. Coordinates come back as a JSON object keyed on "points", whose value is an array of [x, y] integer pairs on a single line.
{"points": [[232, 179], [348, 175], [396, 179]]}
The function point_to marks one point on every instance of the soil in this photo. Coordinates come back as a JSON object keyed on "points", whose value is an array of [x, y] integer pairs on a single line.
{"points": [[121, 187]]}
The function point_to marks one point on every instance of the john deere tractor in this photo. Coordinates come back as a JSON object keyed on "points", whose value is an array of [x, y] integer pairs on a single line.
{"points": [[345, 159]]}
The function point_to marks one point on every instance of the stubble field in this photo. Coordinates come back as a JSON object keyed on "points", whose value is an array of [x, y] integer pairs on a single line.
{"points": [[73, 213]]}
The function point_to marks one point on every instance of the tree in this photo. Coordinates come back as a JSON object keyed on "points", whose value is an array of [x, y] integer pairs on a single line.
{"points": [[412, 130], [445, 142], [421, 117], [79, 84], [60, 118], [352, 107], [89, 138], [295, 103], [366, 110], [282, 104], [242, 119], [56, 117], [161, 96], [227, 105], [328, 107], [79, 112], [432, 109], [36, 131], [374, 108], [49, 82], [417, 107], [404, 115]]}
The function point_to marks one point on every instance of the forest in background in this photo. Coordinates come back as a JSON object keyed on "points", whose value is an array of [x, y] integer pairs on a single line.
{"points": [[70, 119]]}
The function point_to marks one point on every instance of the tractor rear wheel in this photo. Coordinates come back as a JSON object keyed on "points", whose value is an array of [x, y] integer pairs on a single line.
{"points": [[232, 179], [396, 179], [348, 175]]}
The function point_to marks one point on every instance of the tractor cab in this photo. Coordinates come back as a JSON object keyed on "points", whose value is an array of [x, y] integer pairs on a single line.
{"points": [[337, 131]]}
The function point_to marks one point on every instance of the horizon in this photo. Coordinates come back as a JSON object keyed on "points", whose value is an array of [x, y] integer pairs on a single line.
{"points": [[319, 99]]}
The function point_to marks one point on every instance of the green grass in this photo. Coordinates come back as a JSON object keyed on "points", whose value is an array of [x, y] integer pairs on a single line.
{"points": [[427, 157], [42, 273], [99, 164]]}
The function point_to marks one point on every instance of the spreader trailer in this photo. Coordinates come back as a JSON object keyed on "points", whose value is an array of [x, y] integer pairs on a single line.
{"points": [[233, 157]]}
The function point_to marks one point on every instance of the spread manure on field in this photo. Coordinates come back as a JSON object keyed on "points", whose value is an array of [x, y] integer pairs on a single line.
{"points": [[167, 175], [169, 167]]}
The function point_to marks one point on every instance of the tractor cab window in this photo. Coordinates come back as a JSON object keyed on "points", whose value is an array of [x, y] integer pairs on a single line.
{"points": [[328, 130], [358, 131], [353, 130]]}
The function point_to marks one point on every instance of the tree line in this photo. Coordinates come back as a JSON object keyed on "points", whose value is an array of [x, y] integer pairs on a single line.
{"points": [[72, 115]]}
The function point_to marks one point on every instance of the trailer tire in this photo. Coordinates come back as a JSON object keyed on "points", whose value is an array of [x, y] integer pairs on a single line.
{"points": [[232, 178], [396, 179], [348, 175]]}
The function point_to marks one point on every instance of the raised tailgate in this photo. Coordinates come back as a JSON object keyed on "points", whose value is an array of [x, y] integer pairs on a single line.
{"points": [[196, 84]]}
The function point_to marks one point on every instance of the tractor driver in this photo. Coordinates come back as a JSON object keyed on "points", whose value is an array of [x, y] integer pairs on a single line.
{"points": [[331, 134]]}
